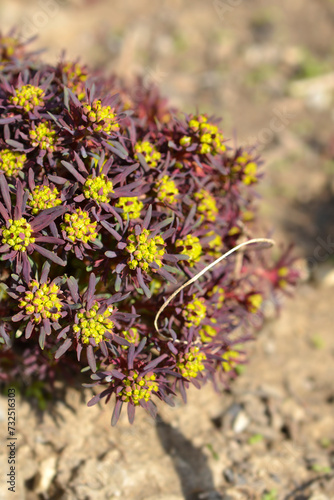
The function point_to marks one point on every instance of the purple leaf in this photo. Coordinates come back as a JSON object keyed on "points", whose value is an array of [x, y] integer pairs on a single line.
{"points": [[165, 274], [142, 284], [18, 317], [47, 216], [155, 362], [148, 216], [74, 172], [91, 289], [73, 287], [5, 336], [10, 119], [15, 144], [116, 412], [112, 231], [91, 358], [29, 329], [41, 338], [131, 412], [117, 374], [50, 239], [95, 399], [63, 348], [5, 192], [49, 255], [4, 213]]}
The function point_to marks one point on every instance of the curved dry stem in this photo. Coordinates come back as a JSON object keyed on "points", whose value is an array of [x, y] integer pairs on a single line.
{"points": [[267, 244]]}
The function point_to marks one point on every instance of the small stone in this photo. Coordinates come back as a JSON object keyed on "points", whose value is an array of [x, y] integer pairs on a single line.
{"points": [[47, 472], [241, 422], [229, 476]]}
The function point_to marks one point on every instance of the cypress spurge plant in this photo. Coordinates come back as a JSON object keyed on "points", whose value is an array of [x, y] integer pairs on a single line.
{"points": [[108, 205]]}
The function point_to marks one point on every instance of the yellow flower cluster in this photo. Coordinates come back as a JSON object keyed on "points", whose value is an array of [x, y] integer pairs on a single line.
{"points": [[137, 388], [207, 205], [166, 190], [191, 247], [132, 336], [194, 312], [229, 360], [282, 274], [11, 163], [145, 250], [7, 49], [94, 325], [207, 332], [254, 302], [103, 117], [98, 188], [43, 137], [28, 97], [79, 227], [42, 301], [74, 73], [150, 153], [18, 235], [131, 207], [192, 363], [215, 245], [249, 168], [211, 139], [220, 295], [44, 197]]}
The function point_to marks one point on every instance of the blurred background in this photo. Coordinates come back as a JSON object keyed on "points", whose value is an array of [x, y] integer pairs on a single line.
{"points": [[267, 68]]}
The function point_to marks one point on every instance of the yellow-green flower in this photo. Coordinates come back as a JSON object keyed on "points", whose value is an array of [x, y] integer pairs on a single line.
{"points": [[150, 153], [254, 302], [207, 205], [245, 160], [219, 296], [145, 250], [43, 137], [194, 312], [76, 77], [234, 230], [185, 141], [42, 302], [191, 364], [98, 188], [166, 190], [207, 333], [92, 325], [11, 163], [103, 117], [191, 247], [230, 360], [215, 245], [282, 273], [28, 97], [138, 387], [210, 138], [18, 235], [132, 336], [44, 197], [79, 227], [131, 207]]}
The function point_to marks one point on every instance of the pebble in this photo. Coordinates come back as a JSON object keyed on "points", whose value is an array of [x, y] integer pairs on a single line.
{"points": [[241, 422], [47, 472]]}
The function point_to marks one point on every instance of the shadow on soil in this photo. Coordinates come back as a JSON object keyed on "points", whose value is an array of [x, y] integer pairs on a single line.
{"points": [[190, 463]]}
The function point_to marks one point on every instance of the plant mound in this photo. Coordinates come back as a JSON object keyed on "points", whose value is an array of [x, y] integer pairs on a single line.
{"points": [[108, 203]]}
